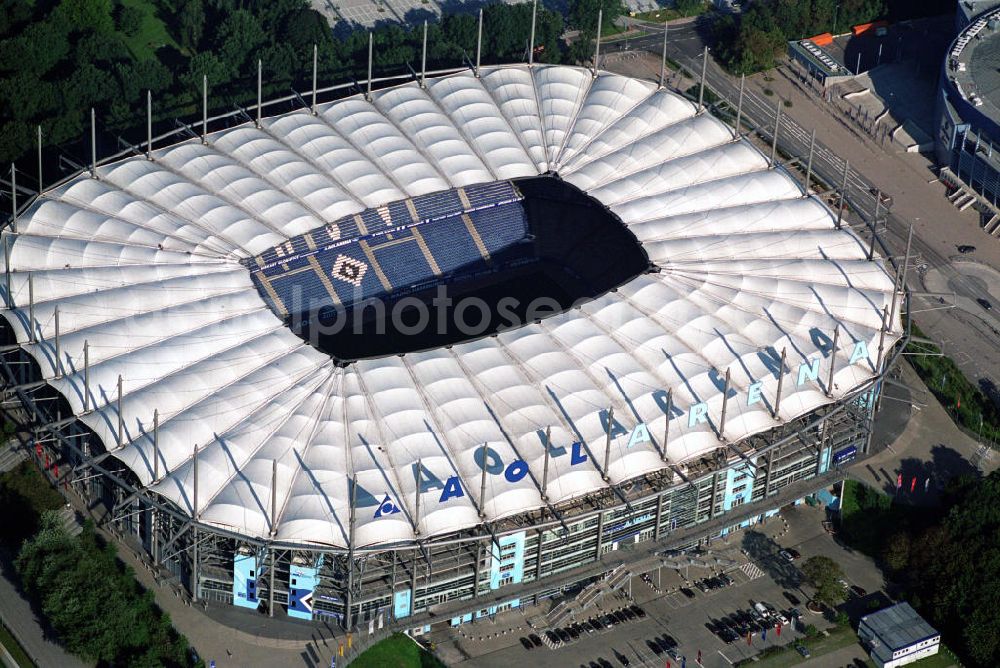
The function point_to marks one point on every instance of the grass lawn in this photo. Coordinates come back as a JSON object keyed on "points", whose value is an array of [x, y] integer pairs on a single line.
{"points": [[818, 646], [14, 649], [153, 35], [396, 651]]}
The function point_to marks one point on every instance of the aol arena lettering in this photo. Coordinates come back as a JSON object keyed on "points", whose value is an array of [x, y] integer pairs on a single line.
{"points": [[489, 460]]}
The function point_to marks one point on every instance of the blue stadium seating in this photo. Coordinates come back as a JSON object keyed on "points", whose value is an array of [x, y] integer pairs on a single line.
{"points": [[390, 234]]}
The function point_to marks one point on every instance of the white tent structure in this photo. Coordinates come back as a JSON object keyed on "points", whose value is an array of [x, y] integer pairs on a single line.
{"points": [[140, 266]]}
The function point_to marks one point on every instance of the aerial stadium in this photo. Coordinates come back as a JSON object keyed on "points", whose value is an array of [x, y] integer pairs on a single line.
{"points": [[442, 348]]}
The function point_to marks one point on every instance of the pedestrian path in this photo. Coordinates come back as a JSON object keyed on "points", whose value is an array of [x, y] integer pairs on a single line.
{"points": [[751, 570]]}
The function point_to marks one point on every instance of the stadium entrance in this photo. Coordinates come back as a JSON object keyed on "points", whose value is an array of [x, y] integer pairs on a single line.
{"points": [[447, 267]]}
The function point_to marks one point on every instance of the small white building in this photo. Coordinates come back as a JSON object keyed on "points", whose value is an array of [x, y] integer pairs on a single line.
{"points": [[897, 636]]}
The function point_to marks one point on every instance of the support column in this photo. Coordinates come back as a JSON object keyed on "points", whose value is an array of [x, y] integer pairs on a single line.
{"points": [[204, 109], [40, 182], [701, 85], [597, 41], [715, 491], [270, 586], [774, 136], [666, 425], [833, 361], [121, 418], [194, 551], [725, 405], [659, 517], [479, 41], [349, 598], [607, 443], [663, 61], [781, 380], [31, 307], [479, 561], [423, 59], [93, 143], [809, 164], [482, 486], [149, 125], [739, 107], [315, 73], [59, 364], [86, 376], [600, 535], [843, 190], [260, 79], [531, 42], [539, 552], [416, 500], [156, 444], [545, 467], [368, 92], [878, 207]]}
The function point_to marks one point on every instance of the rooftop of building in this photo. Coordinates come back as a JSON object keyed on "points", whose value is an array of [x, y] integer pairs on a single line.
{"points": [[974, 63], [897, 627]]}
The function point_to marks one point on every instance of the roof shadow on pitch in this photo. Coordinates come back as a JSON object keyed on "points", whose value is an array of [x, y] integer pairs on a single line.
{"points": [[448, 267]]}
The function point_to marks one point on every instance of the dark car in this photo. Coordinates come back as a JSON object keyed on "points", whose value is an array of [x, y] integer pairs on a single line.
{"points": [[573, 633], [792, 598], [604, 662], [965, 248], [654, 645], [728, 581], [535, 640], [860, 592], [622, 659], [702, 585], [553, 638], [563, 635], [619, 617], [629, 615], [526, 643], [687, 592], [985, 303], [640, 613], [667, 642], [801, 649], [608, 621]]}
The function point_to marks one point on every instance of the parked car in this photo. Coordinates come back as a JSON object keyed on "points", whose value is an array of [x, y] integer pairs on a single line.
{"points": [[674, 654], [803, 650], [553, 637], [860, 592], [535, 640], [629, 615], [640, 613], [700, 584], [526, 643], [985, 303], [965, 248], [622, 659], [728, 581], [654, 645], [563, 635], [667, 641], [687, 592]]}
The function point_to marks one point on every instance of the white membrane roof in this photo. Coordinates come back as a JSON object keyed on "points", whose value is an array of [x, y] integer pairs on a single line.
{"points": [[143, 264]]}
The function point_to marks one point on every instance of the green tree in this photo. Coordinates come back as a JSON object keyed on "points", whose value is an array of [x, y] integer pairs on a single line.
{"points": [[583, 14], [825, 574], [190, 24], [130, 20], [238, 42]]}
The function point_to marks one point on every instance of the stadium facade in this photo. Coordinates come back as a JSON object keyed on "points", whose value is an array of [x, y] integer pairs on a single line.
{"points": [[712, 340], [968, 106]]}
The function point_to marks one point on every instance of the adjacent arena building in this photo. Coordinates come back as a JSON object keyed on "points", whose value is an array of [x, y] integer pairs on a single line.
{"points": [[444, 350], [968, 107]]}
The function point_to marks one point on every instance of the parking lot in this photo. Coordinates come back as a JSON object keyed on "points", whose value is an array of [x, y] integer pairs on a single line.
{"points": [[677, 624]]}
